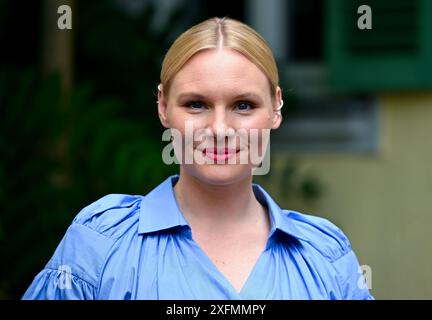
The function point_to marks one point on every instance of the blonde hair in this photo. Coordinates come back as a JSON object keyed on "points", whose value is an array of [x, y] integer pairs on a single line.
{"points": [[214, 33]]}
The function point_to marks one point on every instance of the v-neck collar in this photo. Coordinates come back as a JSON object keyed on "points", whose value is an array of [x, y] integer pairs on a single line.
{"points": [[159, 211]]}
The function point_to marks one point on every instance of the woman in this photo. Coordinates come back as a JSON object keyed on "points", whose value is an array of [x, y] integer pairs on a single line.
{"points": [[209, 232]]}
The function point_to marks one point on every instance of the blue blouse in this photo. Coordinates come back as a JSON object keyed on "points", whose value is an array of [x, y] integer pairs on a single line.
{"points": [[141, 247]]}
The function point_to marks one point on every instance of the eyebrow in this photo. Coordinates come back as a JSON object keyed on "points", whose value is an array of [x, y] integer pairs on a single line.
{"points": [[195, 95]]}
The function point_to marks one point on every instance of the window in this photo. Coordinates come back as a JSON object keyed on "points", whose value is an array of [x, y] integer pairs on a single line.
{"points": [[396, 54], [305, 20], [316, 120]]}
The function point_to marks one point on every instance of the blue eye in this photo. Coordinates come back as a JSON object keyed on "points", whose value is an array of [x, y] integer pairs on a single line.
{"points": [[195, 105], [244, 106]]}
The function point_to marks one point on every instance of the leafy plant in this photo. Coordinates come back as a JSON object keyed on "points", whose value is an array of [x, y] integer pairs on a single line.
{"points": [[55, 160]]}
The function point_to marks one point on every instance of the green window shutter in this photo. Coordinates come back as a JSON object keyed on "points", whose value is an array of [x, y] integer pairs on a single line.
{"points": [[396, 54]]}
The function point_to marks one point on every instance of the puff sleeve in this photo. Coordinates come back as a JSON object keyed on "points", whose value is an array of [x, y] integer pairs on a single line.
{"points": [[76, 267]]}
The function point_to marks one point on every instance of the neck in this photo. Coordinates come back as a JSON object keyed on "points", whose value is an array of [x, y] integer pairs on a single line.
{"points": [[217, 205]]}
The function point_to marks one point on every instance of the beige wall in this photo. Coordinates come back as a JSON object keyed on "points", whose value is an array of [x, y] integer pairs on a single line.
{"points": [[382, 201]]}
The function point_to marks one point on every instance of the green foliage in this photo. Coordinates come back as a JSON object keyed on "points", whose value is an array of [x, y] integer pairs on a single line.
{"points": [[59, 154], [121, 54], [25, 133], [291, 183]]}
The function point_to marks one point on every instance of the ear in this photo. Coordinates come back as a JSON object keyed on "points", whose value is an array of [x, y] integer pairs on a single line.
{"points": [[277, 116], [162, 107]]}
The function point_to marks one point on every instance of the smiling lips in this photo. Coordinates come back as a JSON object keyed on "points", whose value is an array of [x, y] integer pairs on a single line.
{"points": [[221, 154]]}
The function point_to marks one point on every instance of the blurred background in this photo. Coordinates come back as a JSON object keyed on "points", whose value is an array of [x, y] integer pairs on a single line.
{"points": [[78, 120]]}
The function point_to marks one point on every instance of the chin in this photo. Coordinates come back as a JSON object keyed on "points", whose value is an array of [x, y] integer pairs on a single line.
{"points": [[220, 174]]}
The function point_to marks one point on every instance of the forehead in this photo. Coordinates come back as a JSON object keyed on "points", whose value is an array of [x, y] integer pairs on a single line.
{"points": [[220, 71]]}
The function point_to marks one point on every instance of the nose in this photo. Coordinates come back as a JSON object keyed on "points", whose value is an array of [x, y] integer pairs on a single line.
{"points": [[220, 125]]}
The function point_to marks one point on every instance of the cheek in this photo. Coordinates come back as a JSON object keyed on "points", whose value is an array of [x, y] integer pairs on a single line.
{"points": [[259, 120], [176, 118]]}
